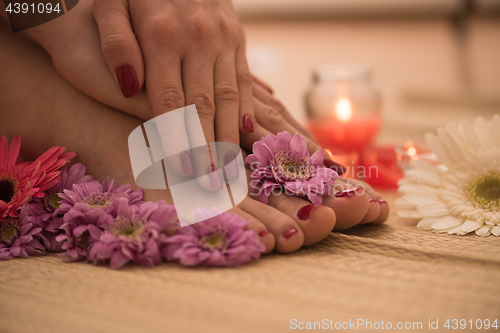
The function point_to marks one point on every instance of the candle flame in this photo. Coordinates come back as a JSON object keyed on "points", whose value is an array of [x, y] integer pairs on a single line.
{"points": [[412, 151], [343, 109]]}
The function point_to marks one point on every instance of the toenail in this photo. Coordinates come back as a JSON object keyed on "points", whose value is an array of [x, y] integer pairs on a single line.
{"points": [[305, 211], [372, 200], [380, 201], [359, 190], [289, 232], [263, 233]]}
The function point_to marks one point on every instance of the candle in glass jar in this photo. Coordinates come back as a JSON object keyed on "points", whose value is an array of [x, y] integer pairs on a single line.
{"points": [[344, 128]]}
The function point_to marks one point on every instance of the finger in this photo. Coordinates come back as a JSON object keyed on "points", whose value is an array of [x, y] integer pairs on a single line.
{"points": [[226, 120], [119, 45], [165, 94], [266, 98], [262, 84], [275, 122], [246, 114], [198, 79]]}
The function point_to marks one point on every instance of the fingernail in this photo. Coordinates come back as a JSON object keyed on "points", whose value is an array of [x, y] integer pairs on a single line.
{"points": [[305, 211], [231, 166], [289, 232], [247, 123], [214, 177], [346, 193], [339, 169], [127, 80], [263, 233], [380, 201], [187, 164]]}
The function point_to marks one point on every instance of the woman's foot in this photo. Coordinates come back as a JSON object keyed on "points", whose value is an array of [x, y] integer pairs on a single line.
{"points": [[57, 114]]}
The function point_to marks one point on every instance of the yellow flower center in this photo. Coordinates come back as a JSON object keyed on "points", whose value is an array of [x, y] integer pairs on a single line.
{"points": [[100, 200], [216, 240], [9, 230], [52, 200], [293, 168], [485, 191], [124, 226]]}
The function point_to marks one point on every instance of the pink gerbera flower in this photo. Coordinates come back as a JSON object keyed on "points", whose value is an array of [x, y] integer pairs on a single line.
{"points": [[22, 181], [88, 209], [42, 210], [219, 240], [135, 235], [19, 237], [280, 161]]}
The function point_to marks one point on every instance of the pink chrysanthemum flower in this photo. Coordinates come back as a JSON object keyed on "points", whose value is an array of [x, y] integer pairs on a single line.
{"points": [[19, 238], [282, 161], [22, 181], [135, 235], [87, 210], [219, 240], [42, 210]]}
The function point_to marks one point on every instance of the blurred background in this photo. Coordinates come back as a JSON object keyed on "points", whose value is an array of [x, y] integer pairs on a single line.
{"points": [[433, 60]]}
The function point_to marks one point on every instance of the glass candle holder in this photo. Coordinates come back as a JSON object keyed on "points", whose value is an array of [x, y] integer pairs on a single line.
{"points": [[343, 107], [410, 151]]}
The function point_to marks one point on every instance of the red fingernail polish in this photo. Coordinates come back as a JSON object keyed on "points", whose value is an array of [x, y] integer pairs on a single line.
{"points": [[247, 123], [127, 80], [380, 201], [305, 211], [289, 232], [339, 169], [263, 233]]}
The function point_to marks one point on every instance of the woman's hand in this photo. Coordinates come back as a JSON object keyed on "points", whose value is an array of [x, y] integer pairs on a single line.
{"points": [[193, 52]]}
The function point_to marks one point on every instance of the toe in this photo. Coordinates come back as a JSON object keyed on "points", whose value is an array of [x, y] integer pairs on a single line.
{"points": [[316, 221], [384, 212], [350, 207], [287, 234], [373, 212], [265, 236]]}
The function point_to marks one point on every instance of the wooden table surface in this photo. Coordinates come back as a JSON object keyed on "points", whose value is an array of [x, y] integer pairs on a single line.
{"points": [[392, 273]]}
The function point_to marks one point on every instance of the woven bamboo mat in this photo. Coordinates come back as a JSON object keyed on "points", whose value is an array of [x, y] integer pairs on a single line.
{"points": [[392, 273]]}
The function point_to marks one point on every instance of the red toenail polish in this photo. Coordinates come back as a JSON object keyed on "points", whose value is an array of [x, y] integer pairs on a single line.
{"points": [[305, 212], [263, 233], [289, 232], [247, 123], [345, 194], [372, 200], [359, 190], [339, 169], [127, 80], [380, 201]]}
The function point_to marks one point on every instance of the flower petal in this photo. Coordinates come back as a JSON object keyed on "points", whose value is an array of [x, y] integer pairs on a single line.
{"points": [[446, 222]]}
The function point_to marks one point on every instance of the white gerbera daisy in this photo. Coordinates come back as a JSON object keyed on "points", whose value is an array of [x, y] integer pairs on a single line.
{"points": [[462, 195]]}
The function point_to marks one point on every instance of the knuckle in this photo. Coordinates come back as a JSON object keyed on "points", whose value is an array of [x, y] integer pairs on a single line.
{"points": [[163, 29], [244, 77], [226, 92], [114, 43], [201, 28], [204, 103], [172, 98]]}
